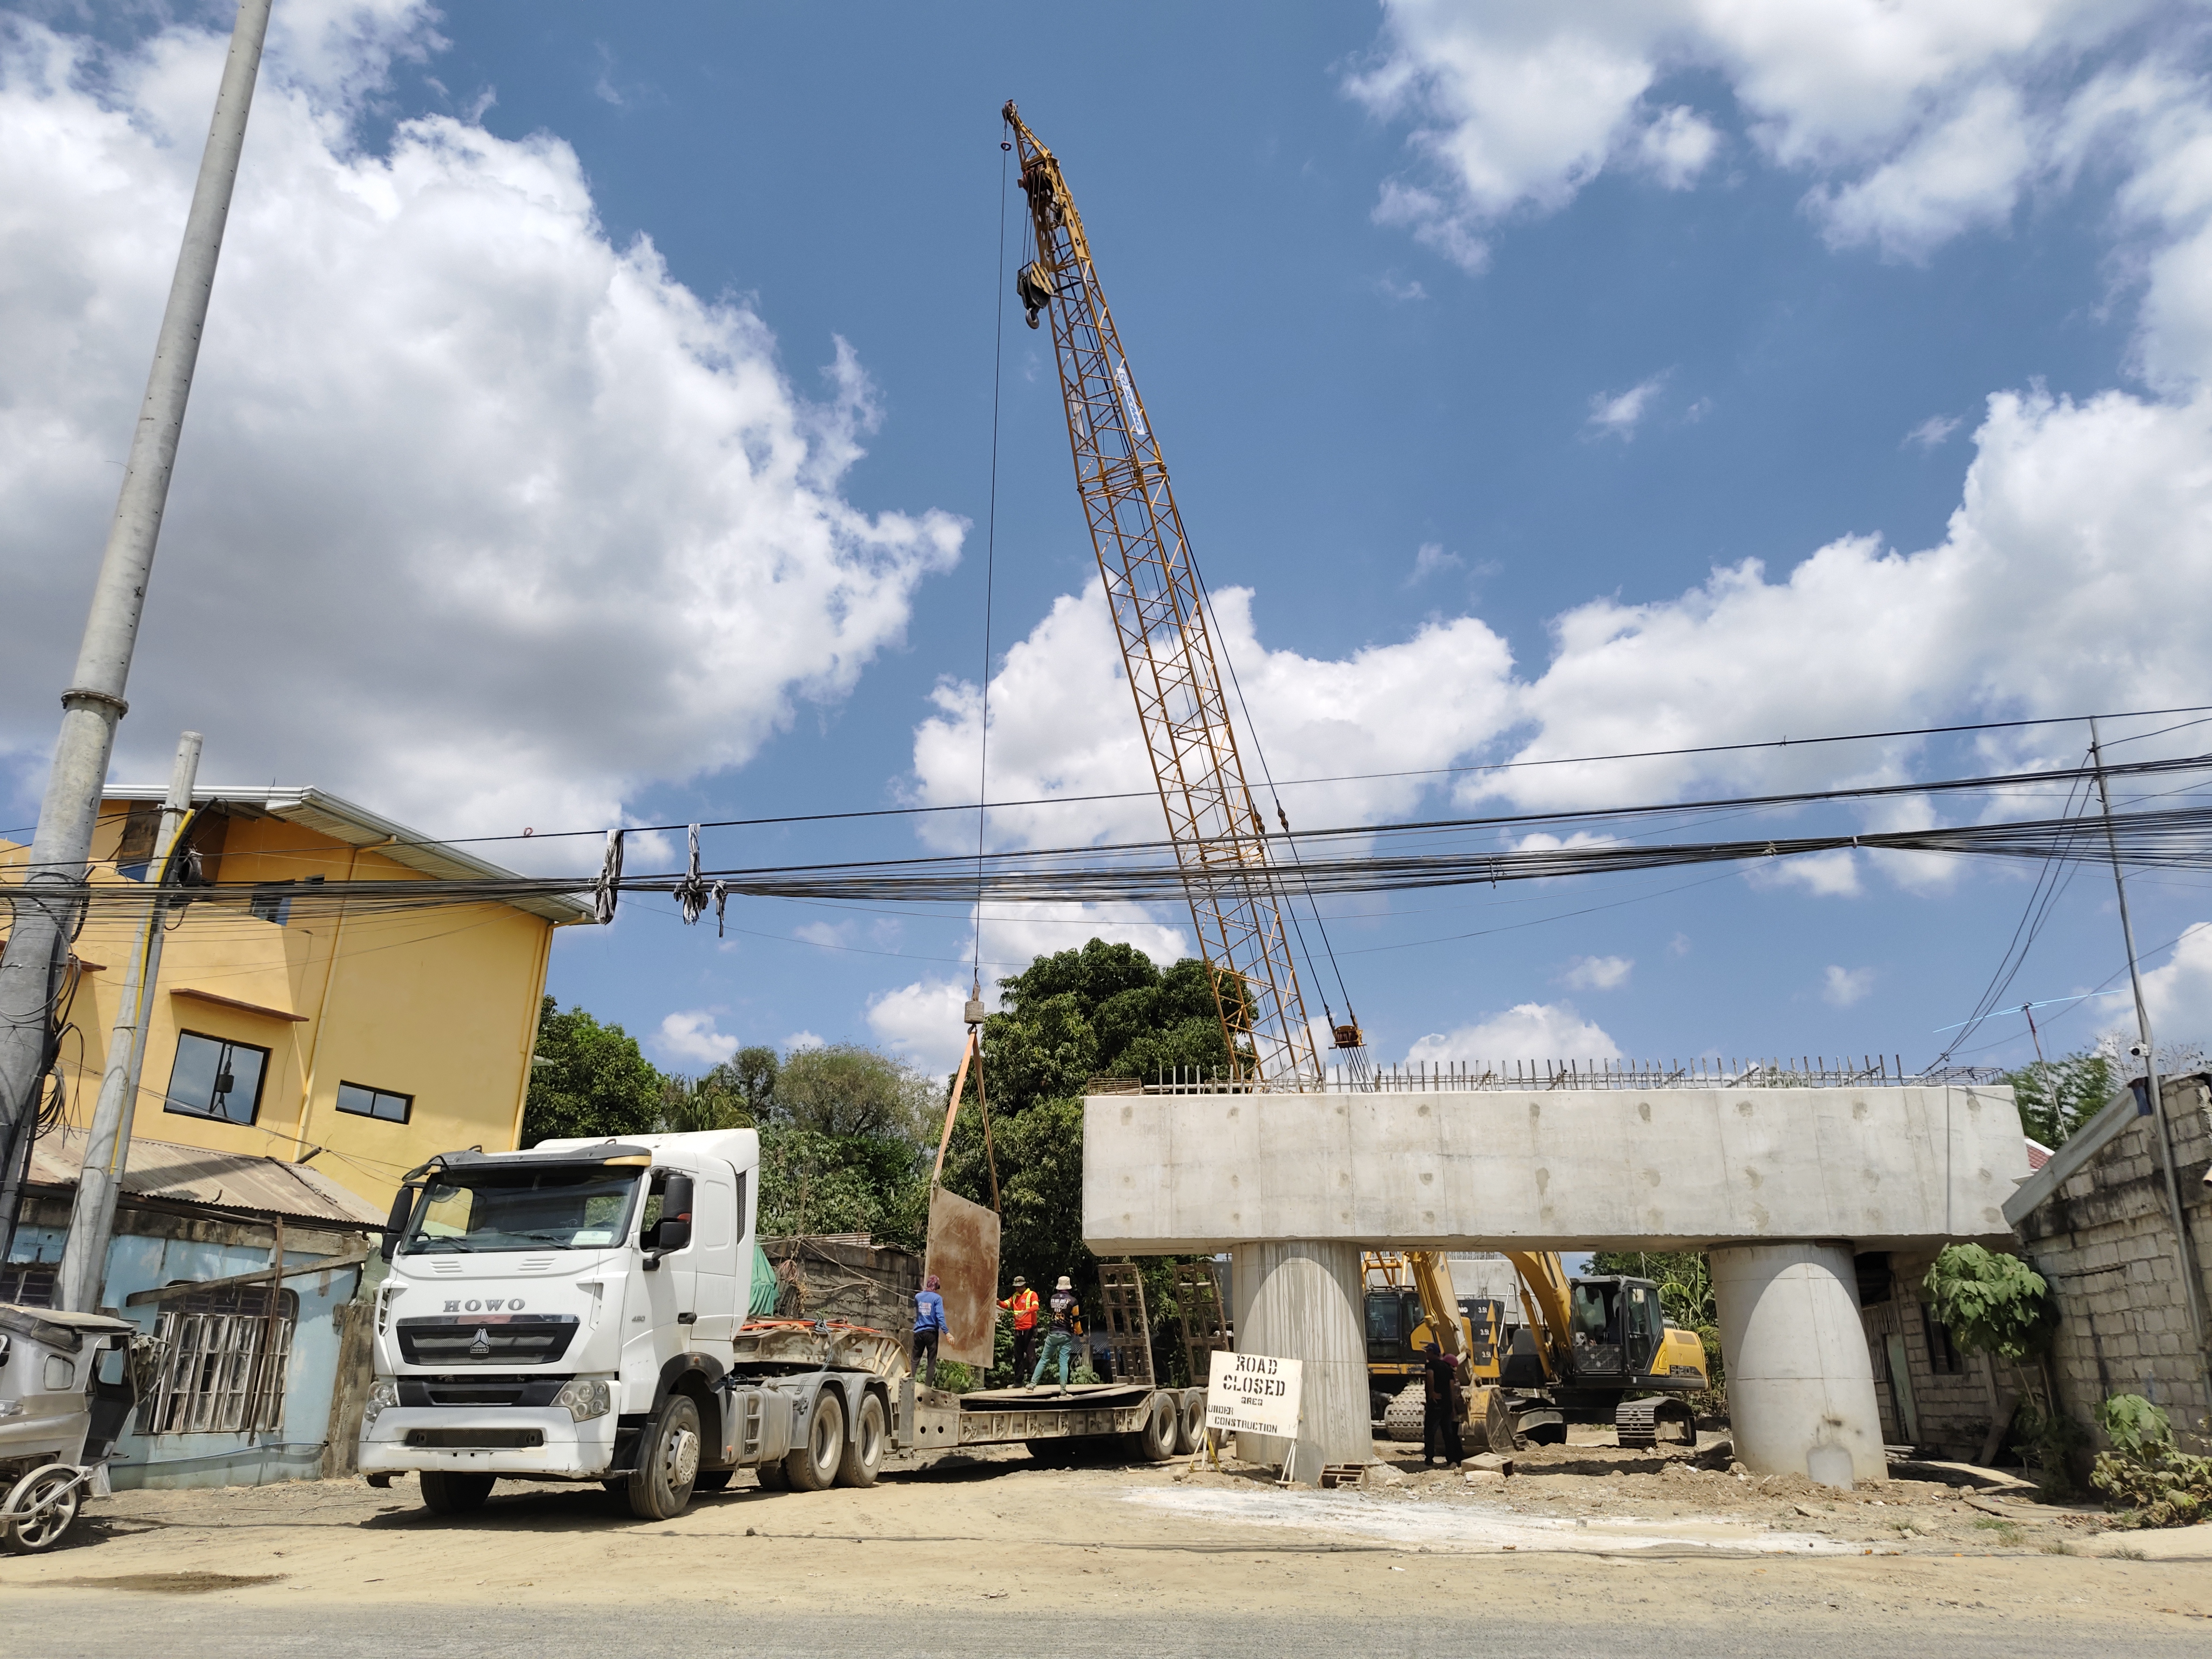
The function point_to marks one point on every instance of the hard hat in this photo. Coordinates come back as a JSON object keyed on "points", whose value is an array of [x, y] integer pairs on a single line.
{"points": [[1066, 1284]]}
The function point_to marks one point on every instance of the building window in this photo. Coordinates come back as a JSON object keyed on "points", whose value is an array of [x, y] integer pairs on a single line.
{"points": [[225, 1356], [1942, 1353], [134, 853], [272, 900], [27, 1284], [217, 1078], [364, 1102]]}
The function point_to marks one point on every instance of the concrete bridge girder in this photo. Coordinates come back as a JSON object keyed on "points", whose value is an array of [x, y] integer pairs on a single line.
{"points": [[1782, 1185]]}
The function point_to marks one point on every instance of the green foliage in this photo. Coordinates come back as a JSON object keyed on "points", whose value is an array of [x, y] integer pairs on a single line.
{"points": [[2151, 1480], [844, 1089], [811, 1182], [2058, 1096], [1994, 1305], [588, 1079], [2049, 1439], [2135, 1427]]}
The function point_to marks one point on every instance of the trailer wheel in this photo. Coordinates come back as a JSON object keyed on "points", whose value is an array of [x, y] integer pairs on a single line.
{"points": [[449, 1492], [667, 1462], [1190, 1425], [1156, 1440], [813, 1466], [864, 1453]]}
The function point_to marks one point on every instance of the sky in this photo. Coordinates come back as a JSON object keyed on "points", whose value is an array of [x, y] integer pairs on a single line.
{"points": [[595, 427]]}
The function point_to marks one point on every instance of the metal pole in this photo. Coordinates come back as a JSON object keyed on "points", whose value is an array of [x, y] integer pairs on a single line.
{"points": [[49, 904], [92, 1220], [2193, 1291]]}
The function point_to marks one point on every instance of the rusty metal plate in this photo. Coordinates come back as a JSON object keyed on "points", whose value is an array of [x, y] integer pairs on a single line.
{"points": [[963, 1254]]}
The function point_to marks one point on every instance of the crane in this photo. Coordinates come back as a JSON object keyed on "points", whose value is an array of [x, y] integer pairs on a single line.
{"points": [[1238, 899]]}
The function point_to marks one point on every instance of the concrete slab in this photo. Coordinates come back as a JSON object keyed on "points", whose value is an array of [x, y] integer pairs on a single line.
{"points": [[1666, 1169]]}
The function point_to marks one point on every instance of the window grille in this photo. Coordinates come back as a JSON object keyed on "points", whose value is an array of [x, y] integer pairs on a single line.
{"points": [[27, 1284], [224, 1363]]}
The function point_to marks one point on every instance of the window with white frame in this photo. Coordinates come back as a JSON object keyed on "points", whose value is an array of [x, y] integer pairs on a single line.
{"points": [[225, 1356]]}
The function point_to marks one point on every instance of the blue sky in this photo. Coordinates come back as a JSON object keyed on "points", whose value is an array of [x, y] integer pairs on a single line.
{"points": [[528, 481]]}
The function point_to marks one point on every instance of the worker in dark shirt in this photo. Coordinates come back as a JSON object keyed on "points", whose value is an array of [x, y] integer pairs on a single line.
{"points": [[928, 1328], [1441, 1407], [1059, 1336]]}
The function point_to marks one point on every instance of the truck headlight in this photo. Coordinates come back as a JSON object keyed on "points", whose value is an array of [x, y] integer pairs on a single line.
{"points": [[382, 1393], [585, 1398]]}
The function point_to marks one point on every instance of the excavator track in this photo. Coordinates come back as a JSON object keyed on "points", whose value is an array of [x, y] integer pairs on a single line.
{"points": [[1637, 1422]]}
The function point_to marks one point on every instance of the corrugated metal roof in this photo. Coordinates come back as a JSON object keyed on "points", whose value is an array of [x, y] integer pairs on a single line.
{"points": [[356, 826], [192, 1175]]}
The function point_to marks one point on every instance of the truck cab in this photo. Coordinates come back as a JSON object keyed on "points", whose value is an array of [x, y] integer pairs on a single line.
{"points": [[573, 1313]]}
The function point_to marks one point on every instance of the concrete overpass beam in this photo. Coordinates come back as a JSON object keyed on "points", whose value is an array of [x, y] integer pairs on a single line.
{"points": [[1800, 1383], [1306, 1301]]}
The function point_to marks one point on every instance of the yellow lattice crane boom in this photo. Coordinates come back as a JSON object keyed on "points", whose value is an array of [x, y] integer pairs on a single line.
{"points": [[1238, 900]]}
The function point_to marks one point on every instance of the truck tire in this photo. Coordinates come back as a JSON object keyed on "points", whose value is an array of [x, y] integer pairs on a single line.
{"points": [[773, 1478], [713, 1479], [1190, 1430], [449, 1492], [813, 1466], [1403, 1421], [864, 1453], [1156, 1440], [667, 1462]]}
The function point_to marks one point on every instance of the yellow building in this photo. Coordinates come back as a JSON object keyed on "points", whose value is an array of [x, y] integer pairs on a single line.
{"points": [[359, 1041]]}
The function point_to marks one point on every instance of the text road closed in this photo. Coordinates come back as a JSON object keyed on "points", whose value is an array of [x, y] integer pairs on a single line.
{"points": [[1252, 1394]]}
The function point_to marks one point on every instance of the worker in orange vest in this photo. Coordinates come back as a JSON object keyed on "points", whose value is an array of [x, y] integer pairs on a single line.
{"points": [[1023, 1304]]}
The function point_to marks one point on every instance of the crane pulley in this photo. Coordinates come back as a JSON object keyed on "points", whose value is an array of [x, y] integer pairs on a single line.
{"points": [[1239, 901]]}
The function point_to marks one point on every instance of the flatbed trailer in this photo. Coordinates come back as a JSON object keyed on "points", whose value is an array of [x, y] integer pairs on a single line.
{"points": [[1153, 1422]]}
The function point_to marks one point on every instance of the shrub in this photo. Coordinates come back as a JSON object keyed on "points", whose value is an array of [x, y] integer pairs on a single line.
{"points": [[2149, 1479]]}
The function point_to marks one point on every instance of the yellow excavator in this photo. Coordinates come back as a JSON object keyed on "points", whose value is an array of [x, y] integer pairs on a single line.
{"points": [[1595, 1349]]}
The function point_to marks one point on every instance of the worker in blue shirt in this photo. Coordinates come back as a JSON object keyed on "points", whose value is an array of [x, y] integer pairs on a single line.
{"points": [[928, 1326]]}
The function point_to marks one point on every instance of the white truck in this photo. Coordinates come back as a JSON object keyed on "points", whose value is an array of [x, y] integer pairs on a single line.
{"points": [[577, 1313]]}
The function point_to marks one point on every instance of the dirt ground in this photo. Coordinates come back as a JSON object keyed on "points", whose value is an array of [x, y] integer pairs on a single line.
{"points": [[1570, 1522]]}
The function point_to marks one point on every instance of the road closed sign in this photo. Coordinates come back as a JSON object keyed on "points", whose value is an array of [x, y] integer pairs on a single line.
{"points": [[1252, 1394]]}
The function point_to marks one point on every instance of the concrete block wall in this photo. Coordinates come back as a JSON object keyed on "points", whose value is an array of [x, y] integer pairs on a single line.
{"points": [[2104, 1240], [1952, 1409]]}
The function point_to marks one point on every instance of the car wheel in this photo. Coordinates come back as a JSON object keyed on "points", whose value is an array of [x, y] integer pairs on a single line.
{"points": [[54, 1494]]}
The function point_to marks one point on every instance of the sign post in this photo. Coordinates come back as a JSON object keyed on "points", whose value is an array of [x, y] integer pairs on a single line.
{"points": [[1254, 1394]]}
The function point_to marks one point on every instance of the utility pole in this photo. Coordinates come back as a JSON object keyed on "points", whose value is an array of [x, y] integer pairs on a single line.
{"points": [[2192, 1290], [50, 904], [92, 1221]]}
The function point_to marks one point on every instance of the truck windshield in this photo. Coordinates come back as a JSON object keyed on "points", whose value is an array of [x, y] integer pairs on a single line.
{"points": [[578, 1207]]}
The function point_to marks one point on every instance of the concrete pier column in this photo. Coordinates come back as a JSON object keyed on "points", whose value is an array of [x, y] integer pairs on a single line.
{"points": [[1800, 1383], [1305, 1301]]}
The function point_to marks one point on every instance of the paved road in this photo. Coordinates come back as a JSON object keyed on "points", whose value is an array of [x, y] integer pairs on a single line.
{"points": [[89, 1625]]}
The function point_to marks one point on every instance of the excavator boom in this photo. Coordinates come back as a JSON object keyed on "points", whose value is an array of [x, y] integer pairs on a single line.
{"points": [[1162, 621]]}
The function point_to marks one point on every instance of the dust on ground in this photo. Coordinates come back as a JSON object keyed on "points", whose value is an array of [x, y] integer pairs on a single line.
{"points": [[1573, 1527]]}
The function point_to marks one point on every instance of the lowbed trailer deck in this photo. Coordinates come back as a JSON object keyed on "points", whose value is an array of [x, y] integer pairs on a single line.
{"points": [[1154, 1423]]}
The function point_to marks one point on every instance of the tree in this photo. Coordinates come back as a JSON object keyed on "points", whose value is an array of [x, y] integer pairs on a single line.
{"points": [[587, 1080], [846, 1090], [2057, 1096], [812, 1182]]}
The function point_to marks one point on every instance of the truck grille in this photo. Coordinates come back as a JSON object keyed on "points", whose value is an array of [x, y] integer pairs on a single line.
{"points": [[486, 1338], [480, 1390], [476, 1439]]}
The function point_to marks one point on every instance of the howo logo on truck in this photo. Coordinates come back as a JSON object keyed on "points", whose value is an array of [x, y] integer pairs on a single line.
{"points": [[512, 1304]]}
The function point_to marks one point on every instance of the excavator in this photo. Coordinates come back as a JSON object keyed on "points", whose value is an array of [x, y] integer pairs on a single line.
{"points": [[1587, 1344], [1595, 1349]]}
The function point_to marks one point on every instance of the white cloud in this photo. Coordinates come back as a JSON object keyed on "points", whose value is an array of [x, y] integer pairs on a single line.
{"points": [[1842, 987], [923, 1021], [573, 525], [1528, 1032], [1597, 973], [1617, 414], [1823, 875], [1915, 122], [830, 934], [800, 1042], [1391, 289], [1429, 559], [691, 1036], [1933, 431], [2179, 992]]}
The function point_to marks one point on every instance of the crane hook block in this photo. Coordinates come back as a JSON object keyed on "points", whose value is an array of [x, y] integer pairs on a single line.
{"points": [[1034, 291]]}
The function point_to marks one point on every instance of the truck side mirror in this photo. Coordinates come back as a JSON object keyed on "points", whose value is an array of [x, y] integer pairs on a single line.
{"points": [[674, 1231], [403, 1205]]}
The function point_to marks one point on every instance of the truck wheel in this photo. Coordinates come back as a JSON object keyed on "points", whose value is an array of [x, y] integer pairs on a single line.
{"points": [[449, 1492], [1403, 1421], [713, 1479], [813, 1466], [1156, 1440], [864, 1453], [667, 1462], [773, 1477]]}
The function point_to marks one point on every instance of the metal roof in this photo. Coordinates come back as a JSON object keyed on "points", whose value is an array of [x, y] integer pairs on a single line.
{"points": [[193, 1175], [356, 826]]}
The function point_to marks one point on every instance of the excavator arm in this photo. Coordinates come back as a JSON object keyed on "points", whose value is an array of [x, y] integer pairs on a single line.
{"points": [[1547, 1303]]}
